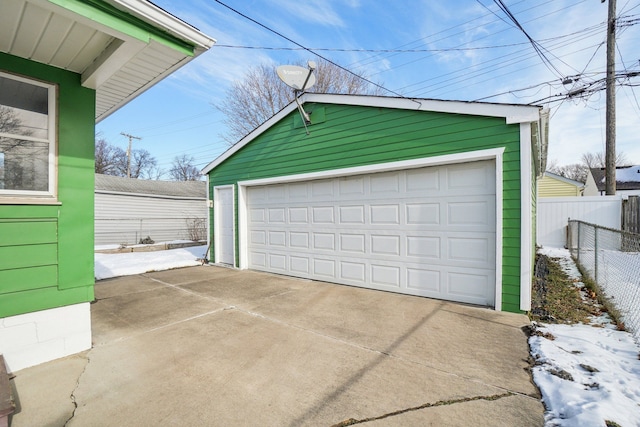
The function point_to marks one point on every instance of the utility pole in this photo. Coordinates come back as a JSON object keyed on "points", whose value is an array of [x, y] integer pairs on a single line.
{"points": [[131, 137], [610, 150]]}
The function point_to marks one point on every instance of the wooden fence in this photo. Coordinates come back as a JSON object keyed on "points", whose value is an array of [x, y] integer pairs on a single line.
{"points": [[631, 214]]}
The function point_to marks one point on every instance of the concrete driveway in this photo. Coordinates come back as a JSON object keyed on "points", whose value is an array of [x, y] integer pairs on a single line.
{"points": [[207, 346]]}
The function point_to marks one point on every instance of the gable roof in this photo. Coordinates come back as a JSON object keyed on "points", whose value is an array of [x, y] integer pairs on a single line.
{"points": [[142, 187], [563, 179], [120, 48], [512, 113], [627, 177]]}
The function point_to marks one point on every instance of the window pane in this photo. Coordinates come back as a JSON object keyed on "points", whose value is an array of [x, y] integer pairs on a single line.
{"points": [[23, 108], [25, 165]]}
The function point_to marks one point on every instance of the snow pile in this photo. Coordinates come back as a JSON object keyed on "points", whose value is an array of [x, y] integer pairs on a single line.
{"points": [[124, 264], [587, 374]]}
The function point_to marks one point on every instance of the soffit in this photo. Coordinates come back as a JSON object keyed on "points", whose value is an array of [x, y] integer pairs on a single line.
{"points": [[118, 66]]}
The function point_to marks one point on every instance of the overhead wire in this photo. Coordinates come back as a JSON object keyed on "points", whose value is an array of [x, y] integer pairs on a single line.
{"points": [[536, 46], [306, 48]]}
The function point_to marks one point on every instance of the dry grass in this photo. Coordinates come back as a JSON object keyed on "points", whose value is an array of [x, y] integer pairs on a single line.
{"points": [[560, 299]]}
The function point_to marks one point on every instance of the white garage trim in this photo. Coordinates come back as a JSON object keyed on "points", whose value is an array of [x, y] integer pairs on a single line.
{"points": [[490, 154], [526, 216]]}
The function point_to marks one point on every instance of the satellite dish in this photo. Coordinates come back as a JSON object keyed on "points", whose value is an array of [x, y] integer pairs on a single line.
{"points": [[296, 77], [299, 79]]}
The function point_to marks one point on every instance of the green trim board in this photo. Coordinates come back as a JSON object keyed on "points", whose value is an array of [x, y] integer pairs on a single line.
{"points": [[361, 135], [107, 15], [51, 246]]}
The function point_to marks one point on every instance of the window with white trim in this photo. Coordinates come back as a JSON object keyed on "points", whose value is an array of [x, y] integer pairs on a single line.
{"points": [[27, 137]]}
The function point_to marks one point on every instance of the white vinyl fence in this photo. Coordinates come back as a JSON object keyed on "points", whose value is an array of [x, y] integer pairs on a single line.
{"points": [[554, 213]]}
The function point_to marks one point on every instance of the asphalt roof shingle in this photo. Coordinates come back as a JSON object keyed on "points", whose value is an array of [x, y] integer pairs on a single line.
{"points": [[117, 184]]}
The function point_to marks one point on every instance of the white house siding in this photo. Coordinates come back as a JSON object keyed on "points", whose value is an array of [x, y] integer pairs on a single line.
{"points": [[127, 218], [554, 214]]}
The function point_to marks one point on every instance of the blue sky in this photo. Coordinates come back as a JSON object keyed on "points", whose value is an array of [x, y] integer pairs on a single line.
{"points": [[455, 50]]}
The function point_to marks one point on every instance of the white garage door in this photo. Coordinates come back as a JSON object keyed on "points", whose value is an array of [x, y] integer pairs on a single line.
{"points": [[428, 231]]}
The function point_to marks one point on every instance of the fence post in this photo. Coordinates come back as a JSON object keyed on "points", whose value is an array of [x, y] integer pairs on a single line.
{"points": [[595, 250], [578, 256]]}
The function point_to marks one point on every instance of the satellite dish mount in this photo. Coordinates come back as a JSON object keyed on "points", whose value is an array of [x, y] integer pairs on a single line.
{"points": [[299, 79]]}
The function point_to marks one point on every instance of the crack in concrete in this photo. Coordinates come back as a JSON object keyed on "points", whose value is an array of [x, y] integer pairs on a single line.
{"points": [[353, 421], [72, 396], [384, 353]]}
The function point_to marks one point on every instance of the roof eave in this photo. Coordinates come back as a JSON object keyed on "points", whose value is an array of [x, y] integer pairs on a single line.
{"points": [[160, 18], [512, 114]]}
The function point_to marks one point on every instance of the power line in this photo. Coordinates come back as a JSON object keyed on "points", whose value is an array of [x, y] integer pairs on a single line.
{"points": [[307, 49]]}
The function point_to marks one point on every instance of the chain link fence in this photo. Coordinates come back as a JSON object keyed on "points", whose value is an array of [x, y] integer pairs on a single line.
{"points": [[612, 259]]}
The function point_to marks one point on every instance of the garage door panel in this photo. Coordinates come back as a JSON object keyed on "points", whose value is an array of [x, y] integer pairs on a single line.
{"points": [[423, 213], [258, 237], [324, 268], [424, 247], [298, 215], [470, 179], [278, 238], [385, 275], [351, 187], [385, 244], [354, 271], [427, 232], [299, 239], [423, 180], [277, 262], [467, 249], [299, 265], [322, 215], [352, 214], [423, 280], [385, 184], [385, 214], [258, 259], [324, 241], [257, 216], [467, 287], [354, 243]]}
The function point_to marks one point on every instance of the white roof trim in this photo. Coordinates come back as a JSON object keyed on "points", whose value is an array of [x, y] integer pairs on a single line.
{"points": [[512, 113], [564, 179], [160, 18]]}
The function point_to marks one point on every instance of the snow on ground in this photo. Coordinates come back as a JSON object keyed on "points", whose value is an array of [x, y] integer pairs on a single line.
{"points": [[124, 264], [588, 374]]}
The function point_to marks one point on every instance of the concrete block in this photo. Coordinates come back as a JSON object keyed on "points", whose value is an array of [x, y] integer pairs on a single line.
{"points": [[33, 338], [16, 337]]}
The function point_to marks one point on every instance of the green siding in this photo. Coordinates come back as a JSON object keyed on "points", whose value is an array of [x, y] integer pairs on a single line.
{"points": [[356, 136], [46, 251]]}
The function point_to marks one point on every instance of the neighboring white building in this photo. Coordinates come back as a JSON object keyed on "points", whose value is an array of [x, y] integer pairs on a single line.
{"points": [[128, 210], [627, 181]]}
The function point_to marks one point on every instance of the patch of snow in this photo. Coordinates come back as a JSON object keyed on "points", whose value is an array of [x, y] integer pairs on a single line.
{"points": [[129, 263], [588, 374], [630, 174], [105, 247], [605, 369]]}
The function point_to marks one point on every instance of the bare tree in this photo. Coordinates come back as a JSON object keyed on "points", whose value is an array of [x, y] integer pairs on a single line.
{"points": [[9, 121], [580, 171], [597, 160], [183, 169], [109, 158], [575, 171], [112, 160], [261, 94], [143, 164]]}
